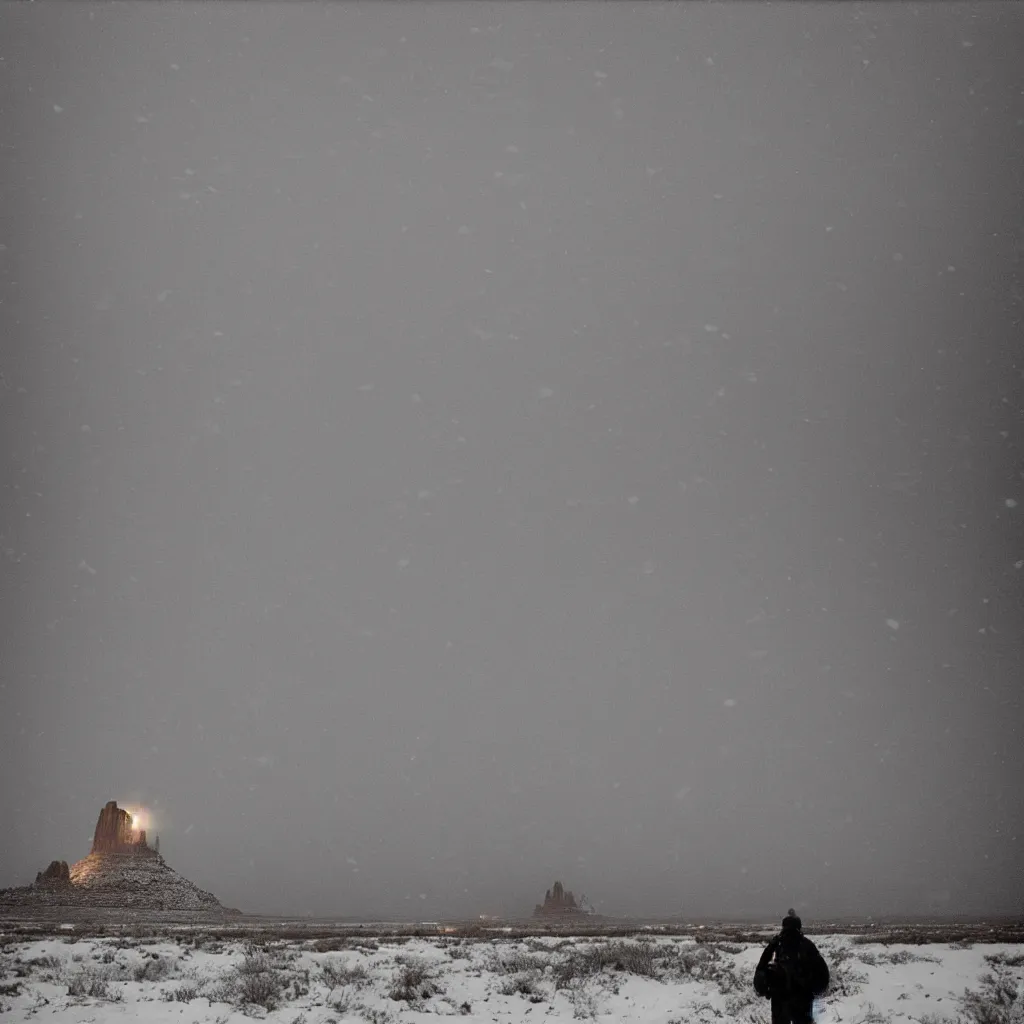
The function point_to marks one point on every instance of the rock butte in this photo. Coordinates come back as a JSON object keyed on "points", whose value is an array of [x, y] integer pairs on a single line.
{"points": [[558, 902], [122, 872]]}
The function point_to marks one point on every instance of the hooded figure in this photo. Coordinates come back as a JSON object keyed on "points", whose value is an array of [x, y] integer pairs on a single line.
{"points": [[791, 973]]}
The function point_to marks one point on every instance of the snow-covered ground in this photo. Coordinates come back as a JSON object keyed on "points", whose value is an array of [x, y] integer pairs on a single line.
{"points": [[185, 979]]}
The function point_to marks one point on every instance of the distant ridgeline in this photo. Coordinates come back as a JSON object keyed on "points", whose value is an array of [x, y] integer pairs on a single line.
{"points": [[121, 872]]}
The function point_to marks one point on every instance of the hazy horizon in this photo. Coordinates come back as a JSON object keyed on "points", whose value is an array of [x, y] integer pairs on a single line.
{"points": [[454, 447]]}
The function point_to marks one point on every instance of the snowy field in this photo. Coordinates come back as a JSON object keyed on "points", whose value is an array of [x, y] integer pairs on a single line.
{"points": [[192, 977]]}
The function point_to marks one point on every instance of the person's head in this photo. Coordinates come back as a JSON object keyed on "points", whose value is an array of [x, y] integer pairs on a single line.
{"points": [[791, 924]]}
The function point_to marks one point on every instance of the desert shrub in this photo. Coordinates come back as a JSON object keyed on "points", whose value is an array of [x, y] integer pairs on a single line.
{"points": [[336, 943], [999, 1000], [629, 957], [519, 985], [51, 968], [153, 969], [181, 994], [872, 1015], [537, 945], [896, 957], [1005, 959], [584, 999], [263, 989], [570, 971], [577, 967], [222, 991], [845, 979], [376, 1015], [298, 986], [703, 962], [413, 982], [632, 957], [905, 956], [270, 954], [335, 975], [958, 938], [702, 1011], [460, 952], [12, 989], [515, 961], [731, 983], [756, 1012], [254, 961], [255, 981], [94, 985], [344, 1003]]}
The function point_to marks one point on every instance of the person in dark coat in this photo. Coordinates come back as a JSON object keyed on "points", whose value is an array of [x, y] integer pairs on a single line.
{"points": [[791, 973]]}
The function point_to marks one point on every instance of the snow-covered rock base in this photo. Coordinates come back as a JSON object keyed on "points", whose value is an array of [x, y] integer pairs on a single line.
{"points": [[116, 881]]}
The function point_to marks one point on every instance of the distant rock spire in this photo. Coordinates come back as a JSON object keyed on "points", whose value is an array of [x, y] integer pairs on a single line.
{"points": [[557, 900]]}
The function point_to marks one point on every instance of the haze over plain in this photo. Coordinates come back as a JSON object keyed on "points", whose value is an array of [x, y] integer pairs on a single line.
{"points": [[451, 447]]}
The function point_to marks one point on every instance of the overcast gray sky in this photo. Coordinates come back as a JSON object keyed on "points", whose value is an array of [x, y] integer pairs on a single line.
{"points": [[450, 447]]}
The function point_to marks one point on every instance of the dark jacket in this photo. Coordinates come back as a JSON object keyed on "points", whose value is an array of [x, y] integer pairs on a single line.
{"points": [[791, 969]]}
